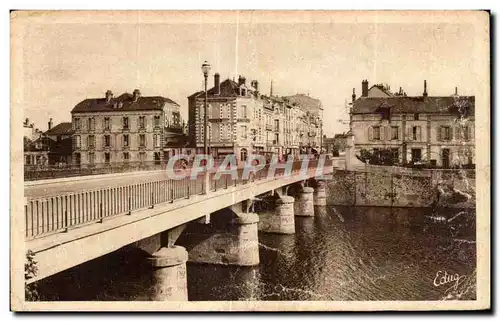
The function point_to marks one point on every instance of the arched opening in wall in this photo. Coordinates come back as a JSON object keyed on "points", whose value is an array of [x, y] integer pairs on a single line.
{"points": [[243, 154]]}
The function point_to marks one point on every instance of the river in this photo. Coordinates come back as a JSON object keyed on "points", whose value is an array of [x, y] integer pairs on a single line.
{"points": [[343, 253]]}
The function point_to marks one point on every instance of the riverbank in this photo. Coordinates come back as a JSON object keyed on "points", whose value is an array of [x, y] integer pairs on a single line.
{"points": [[388, 187]]}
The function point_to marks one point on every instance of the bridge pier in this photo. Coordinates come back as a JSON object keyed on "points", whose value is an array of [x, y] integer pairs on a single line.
{"points": [[320, 193], [225, 240], [169, 274], [282, 220], [304, 204]]}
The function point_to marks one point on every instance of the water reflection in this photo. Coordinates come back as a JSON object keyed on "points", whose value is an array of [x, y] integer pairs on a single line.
{"points": [[343, 253]]}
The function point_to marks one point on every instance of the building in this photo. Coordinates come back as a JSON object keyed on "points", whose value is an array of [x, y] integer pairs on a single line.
{"points": [[29, 131], [235, 118], [336, 144], [128, 128], [438, 130], [61, 143], [242, 121]]}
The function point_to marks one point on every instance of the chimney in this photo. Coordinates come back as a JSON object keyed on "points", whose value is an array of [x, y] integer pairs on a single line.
{"points": [[353, 95], [456, 91], [241, 80], [271, 91], [50, 123], [217, 83], [364, 88], [425, 89], [255, 84], [109, 95], [137, 94]]}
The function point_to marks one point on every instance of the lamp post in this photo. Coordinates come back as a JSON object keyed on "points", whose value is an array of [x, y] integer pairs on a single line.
{"points": [[205, 68]]}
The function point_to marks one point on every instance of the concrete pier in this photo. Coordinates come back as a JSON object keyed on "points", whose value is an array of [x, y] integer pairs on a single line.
{"points": [[169, 274], [282, 220], [304, 203], [320, 193], [234, 242]]}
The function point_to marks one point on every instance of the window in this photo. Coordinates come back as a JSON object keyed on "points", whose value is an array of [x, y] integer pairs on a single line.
{"points": [[142, 156], [157, 121], [107, 123], [142, 122], [394, 133], [107, 157], [125, 141], [415, 116], [77, 123], [243, 111], [107, 140], [91, 141], [415, 133], [125, 122], [465, 133], [276, 139], [244, 131], [276, 125], [142, 140], [126, 156], [444, 133], [376, 132], [243, 154], [156, 140], [91, 122], [91, 158], [78, 141]]}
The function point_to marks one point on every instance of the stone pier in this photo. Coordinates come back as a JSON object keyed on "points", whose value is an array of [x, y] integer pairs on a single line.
{"points": [[282, 220], [320, 193], [304, 204], [228, 239], [169, 274]]}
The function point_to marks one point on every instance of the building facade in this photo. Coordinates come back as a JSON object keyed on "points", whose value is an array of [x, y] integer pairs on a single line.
{"points": [[438, 130], [242, 121], [128, 128]]}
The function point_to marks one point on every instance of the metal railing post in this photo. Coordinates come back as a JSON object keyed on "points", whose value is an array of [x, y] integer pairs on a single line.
{"points": [[66, 221], [101, 218], [171, 195], [152, 201]]}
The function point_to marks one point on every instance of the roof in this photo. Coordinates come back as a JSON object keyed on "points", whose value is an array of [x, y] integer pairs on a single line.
{"points": [[420, 104], [382, 88], [127, 104], [306, 102], [60, 129]]}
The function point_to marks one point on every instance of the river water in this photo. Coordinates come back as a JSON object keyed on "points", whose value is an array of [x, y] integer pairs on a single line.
{"points": [[343, 253]]}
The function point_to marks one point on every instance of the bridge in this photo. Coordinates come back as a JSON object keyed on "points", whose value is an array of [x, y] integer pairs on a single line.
{"points": [[210, 219]]}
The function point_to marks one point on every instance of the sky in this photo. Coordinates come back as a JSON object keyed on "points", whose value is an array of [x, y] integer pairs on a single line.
{"points": [[67, 62]]}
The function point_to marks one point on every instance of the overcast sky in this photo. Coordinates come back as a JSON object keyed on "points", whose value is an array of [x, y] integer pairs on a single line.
{"points": [[65, 63]]}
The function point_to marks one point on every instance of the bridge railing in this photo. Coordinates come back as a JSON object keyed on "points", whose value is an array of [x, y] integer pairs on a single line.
{"points": [[54, 214]]}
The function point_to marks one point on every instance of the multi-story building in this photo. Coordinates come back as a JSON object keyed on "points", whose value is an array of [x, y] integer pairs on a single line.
{"points": [[235, 118], [242, 121], [433, 129], [128, 128]]}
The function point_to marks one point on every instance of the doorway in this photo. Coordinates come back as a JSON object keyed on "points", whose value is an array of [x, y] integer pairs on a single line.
{"points": [[445, 157], [416, 155]]}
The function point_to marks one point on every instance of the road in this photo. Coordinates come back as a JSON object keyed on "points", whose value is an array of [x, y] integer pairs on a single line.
{"points": [[35, 189]]}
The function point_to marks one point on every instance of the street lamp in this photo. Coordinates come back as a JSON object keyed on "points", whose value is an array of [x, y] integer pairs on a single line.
{"points": [[205, 68]]}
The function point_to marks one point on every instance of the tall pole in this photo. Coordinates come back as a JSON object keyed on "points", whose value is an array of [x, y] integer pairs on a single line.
{"points": [[205, 120]]}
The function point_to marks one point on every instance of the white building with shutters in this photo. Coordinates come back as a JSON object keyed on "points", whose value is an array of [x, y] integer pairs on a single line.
{"points": [[418, 129]]}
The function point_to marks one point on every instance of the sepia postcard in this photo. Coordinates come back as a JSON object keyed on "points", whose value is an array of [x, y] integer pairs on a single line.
{"points": [[250, 160]]}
